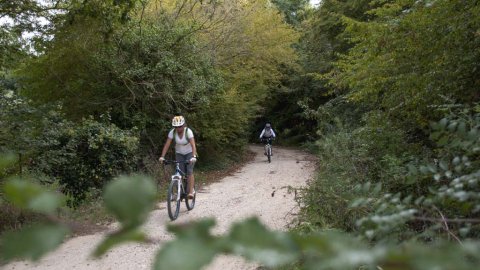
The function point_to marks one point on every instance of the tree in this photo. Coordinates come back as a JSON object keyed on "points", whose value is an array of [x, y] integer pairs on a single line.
{"points": [[412, 57]]}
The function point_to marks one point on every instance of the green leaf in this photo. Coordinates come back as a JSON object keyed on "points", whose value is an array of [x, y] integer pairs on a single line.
{"points": [[335, 250], [424, 169], [412, 169], [253, 241], [442, 141], [473, 134], [456, 160], [443, 165], [377, 189], [410, 179], [452, 126], [184, 253], [117, 239], [462, 128], [6, 160], [432, 168], [443, 123], [193, 239], [130, 199], [32, 196], [32, 242]]}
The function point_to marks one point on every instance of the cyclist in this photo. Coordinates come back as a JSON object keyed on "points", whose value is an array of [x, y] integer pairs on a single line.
{"points": [[267, 134], [185, 149]]}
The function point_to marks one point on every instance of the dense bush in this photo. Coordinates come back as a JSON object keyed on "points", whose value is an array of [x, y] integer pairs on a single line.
{"points": [[87, 155], [447, 204], [373, 182], [374, 152]]}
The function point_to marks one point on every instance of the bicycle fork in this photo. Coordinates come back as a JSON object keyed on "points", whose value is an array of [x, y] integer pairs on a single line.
{"points": [[178, 178]]}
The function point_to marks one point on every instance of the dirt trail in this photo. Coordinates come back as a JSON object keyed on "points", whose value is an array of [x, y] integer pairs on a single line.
{"points": [[246, 193]]}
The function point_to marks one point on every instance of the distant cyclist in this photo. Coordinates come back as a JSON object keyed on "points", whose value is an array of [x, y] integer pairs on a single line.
{"points": [[185, 149], [267, 134]]}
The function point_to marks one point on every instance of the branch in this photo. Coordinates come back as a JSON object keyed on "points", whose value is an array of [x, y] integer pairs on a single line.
{"points": [[455, 220]]}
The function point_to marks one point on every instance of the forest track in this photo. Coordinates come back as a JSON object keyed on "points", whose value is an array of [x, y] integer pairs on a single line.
{"points": [[257, 189]]}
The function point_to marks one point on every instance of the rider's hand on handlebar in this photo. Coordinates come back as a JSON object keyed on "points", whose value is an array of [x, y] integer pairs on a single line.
{"points": [[161, 159], [193, 160]]}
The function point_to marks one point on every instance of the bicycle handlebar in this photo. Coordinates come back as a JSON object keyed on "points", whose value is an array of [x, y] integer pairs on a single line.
{"points": [[168, 162]]}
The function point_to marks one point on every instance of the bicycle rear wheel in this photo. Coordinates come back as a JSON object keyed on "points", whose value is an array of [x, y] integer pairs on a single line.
{"points": [[173, 200], [191, 202]]}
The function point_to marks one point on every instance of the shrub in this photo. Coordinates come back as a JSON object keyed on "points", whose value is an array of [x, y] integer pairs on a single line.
{"points": [[374, 152], [445, 202], [87, 155]]}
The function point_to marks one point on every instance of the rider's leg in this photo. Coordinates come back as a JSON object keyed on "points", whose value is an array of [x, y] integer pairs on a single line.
{"points": [[191, 184], [271, 148], [190, 177]]}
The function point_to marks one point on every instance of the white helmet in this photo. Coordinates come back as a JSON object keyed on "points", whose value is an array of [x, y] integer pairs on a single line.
{"points": [[178, 121]]}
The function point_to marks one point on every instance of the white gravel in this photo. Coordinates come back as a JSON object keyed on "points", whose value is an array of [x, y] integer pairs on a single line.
{"points": [[246, 193]]}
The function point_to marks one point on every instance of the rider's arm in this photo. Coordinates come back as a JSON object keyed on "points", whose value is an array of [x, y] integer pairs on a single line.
{"points": [[261, 134], [194, 146], [166, 146], [273, 133]]}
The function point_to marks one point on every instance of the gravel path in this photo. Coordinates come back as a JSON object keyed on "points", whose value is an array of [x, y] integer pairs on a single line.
{"points": [[246, 193]]}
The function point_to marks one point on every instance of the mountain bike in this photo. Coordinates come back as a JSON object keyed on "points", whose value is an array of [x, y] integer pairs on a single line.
{"points": [[268, 148], [178, 190]]}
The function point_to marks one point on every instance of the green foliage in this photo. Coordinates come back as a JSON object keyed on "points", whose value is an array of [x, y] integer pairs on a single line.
{"points": [[295, 11], [253, 241], [32, 242], [412, 56], [447, 205], [327, 196], [131, 210], [145, 73], [371, 150], [322, 41], [26, 128], [194, 239], [28, 195], [18, 123], [130, 200], [87, 155], [80, 156]]}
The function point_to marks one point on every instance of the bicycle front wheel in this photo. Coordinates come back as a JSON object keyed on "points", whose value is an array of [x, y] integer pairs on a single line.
{"points": [[173, 199], [269, 154]]}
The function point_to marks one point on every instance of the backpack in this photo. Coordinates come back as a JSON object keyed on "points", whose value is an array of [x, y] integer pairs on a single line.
{"points": [[186, 134]]}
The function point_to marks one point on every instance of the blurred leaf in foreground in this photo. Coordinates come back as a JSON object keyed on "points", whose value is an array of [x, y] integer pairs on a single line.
{"points": [[32, 242], [130, 199], [255, 242], [27, 195], [118, 238], [6, 160], [193, 248]]}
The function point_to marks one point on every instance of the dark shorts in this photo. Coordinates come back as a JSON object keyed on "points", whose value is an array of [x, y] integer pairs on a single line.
{"points": [[187, 168]]}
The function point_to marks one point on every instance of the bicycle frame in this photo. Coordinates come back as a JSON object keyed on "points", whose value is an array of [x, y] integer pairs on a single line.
{"points": [[178, 175], [177, 190], [268, 147]]}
